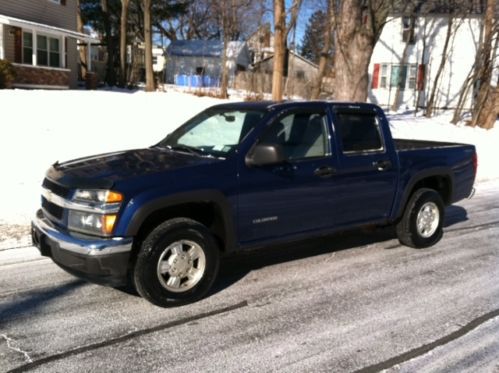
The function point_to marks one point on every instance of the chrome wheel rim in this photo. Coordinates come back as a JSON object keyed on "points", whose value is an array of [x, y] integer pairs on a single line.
{"points": [[428, 219], [181, 266]]}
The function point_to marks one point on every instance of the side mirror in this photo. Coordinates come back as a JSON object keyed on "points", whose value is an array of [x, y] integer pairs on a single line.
{"points": [[265, 154]]}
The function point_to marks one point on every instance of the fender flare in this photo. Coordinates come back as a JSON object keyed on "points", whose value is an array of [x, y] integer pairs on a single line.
{"points": [[203, 196], [440, 171]]}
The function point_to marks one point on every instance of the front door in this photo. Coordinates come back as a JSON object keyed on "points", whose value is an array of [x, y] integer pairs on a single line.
{"points": [[279, 200]]}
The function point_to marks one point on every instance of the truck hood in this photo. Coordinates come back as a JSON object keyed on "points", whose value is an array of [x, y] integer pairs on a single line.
{"points": [[104, 170]]}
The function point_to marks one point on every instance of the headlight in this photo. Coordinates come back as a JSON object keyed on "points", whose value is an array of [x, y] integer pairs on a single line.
{"points": [[97, 196], [94, 211], [92, 223]]}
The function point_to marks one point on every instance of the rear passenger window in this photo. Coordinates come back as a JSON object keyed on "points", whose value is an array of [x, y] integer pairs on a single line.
{"points": [[359, 132]]}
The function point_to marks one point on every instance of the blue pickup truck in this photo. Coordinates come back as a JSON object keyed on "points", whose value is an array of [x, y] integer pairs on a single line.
{"points": [[240, 176]]}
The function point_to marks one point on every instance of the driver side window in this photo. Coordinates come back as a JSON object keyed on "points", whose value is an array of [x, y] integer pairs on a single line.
{"points": [[300, 135]]}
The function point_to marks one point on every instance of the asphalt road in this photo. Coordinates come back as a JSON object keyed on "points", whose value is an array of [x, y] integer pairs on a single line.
{"points": [[356, 301]]}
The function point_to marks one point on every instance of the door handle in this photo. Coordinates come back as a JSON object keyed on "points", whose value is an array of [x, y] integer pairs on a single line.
{"points": [[382, 165], [324, 172]]}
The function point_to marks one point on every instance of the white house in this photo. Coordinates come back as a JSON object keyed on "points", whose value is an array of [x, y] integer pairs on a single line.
{"points": [[413, 73]]}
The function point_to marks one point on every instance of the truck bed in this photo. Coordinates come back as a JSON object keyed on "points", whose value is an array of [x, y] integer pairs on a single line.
{"points": [[402, 144]]}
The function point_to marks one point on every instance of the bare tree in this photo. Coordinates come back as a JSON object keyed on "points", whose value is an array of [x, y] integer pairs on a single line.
{"points": [[150, 86], [436, 81], [82, 49], [358, 25], [424, 52], [281, 32], [325, 53], [110, 71], [484, 111], [279, 49], [123, 39], [227, 30]]}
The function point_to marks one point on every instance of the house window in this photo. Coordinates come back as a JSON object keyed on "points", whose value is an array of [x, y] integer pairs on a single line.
{"points": [[55, 1], [199, 70], [27, 48], [400, 76], [48, 50], [384, 76], [408, 26], [300, 74], [413, 76]]}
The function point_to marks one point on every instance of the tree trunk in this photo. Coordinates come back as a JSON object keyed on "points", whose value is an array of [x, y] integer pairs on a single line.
{"points": [[224, 83], [423, 63], [436, 82], [123, 39], [357, 29], [481, 109], [279, 49], [316, 89], [82, 49], [148, 46], [463, 93], [110, 71]]}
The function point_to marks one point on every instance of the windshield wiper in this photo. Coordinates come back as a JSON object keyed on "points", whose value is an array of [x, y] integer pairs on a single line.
{"points": [[187, 149]]}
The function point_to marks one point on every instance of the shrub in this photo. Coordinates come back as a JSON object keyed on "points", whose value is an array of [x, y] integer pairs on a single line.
{"points": [[7, 74]]}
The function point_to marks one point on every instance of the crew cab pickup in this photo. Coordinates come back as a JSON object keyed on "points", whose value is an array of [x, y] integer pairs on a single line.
{"points": [[239, 176]]}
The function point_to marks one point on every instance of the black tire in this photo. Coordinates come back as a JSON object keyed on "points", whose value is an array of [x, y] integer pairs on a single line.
{"points": [[146, 277], [407, 228]]}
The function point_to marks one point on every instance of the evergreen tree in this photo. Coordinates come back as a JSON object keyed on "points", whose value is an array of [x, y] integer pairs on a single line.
{"points": [[313, 39]]}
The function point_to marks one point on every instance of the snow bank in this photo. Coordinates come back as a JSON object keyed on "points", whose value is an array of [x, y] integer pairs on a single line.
{"points": [[40, 127]]}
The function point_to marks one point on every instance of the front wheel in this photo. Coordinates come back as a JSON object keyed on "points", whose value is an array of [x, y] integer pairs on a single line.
{"points": [[422, 222], [177, 263]]}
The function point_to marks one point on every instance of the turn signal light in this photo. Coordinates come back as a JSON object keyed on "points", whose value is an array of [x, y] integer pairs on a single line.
{"points": [[113, 197], [108, 223]]}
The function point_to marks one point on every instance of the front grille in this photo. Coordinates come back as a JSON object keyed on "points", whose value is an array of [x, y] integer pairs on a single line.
{"points": [[56, 188], [52, 209]]}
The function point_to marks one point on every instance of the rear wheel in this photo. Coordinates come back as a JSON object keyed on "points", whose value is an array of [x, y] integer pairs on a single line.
{"points": [[422, 222], [177, 263]]}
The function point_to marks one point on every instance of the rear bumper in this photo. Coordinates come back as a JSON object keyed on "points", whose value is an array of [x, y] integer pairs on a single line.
{"points": [[99, 260]]}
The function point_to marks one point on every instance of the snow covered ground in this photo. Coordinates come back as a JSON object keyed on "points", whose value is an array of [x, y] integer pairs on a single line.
{"points": [[40, 127]]}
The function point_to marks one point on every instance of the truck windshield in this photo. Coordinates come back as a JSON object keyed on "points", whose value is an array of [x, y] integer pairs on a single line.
{"points": [[213, 132]]}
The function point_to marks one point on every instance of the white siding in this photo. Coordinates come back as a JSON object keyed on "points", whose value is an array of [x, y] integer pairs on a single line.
{"points": [[460, 58], [42, 11], [9, 46]]}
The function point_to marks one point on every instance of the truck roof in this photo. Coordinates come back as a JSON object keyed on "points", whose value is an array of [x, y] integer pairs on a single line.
{"points": [[280, 105]]}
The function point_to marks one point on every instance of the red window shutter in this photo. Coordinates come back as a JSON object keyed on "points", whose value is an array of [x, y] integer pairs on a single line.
{"points": [[421, 77], [18, 45], [375, 81]]}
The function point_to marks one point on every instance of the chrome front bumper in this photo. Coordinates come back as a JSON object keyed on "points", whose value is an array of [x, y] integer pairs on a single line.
{"points": [[103, 260]]}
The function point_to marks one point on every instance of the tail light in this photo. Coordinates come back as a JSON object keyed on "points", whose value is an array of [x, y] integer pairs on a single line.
{"points": [[475, 163]]}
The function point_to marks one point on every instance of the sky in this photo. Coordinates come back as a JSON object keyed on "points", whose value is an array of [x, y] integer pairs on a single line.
{"points": [[307, 9]]}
